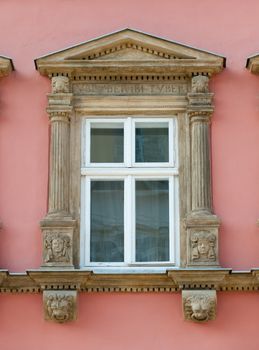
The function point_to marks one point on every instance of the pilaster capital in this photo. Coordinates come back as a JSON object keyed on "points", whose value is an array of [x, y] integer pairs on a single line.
{"points": [[200, 97], [200, 84], [60, 99], [200, 115], [59, 115], [60, 84], [200, 100]]}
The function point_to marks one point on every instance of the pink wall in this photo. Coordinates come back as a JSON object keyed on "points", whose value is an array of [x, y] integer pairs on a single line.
{"points": [[32, 28]]}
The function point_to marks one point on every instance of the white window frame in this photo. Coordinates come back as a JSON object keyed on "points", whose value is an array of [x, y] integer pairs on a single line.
{"points": [[129, 172]]}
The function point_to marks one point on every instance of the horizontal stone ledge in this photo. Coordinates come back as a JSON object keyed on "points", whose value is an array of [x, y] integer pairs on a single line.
{"points": [[81, 67], [220, 279]]}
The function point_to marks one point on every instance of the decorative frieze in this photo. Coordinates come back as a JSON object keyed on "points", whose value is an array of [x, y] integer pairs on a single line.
{"points": [[60, 306], [199, 305], [114, 88]]}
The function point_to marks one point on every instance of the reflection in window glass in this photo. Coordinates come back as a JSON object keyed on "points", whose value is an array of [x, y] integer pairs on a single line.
{"points": [[152, 221], [107, 142], [107, 221], [151, 142]]}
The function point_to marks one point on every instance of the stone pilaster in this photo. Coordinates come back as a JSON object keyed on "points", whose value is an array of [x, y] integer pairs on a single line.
{"points": [[202, 224], [58, 225]]}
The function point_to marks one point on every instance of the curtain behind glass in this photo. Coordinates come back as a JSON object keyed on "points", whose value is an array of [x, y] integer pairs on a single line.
{"points": [[152, 221], [107, 221]]}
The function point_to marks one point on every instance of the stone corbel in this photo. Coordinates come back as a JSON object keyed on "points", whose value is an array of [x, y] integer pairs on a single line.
{"points": [[58, 225], [201, 224], [60, 305], [199, 305]]}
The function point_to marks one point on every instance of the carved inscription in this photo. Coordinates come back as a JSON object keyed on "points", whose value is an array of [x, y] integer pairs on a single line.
{"points": [[60, 306], [199, 306], [123, 89]]}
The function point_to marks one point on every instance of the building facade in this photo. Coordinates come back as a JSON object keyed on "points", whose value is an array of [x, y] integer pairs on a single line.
{"points": [[129, 174]]}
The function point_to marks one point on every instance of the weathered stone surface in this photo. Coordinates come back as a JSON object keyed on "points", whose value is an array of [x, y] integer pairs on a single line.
{"points": [[199, 305], [60, 306]]}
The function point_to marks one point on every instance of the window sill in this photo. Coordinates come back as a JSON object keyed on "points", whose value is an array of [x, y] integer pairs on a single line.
{"points": [[173, 280]]}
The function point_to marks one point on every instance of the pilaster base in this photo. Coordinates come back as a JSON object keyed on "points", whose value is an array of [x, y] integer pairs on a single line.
{"points": [[57, 235], [202, 240]]}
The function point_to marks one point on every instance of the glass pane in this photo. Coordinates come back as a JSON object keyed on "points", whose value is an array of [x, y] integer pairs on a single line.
{"points": [[107, 142], [107, 221], [152, 221], [151, 142]]}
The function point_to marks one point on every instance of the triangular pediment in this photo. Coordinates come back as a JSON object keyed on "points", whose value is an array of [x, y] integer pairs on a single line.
{"points": [[6, 66], [126, 46]]}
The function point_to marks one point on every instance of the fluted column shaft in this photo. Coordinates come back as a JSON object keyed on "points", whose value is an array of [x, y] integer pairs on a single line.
{"points": [[59, 163], [200, 163]]}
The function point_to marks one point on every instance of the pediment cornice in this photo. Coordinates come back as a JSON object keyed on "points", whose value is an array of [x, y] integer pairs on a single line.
{"points": [[252, 64], [6, 66], [129, 52]]}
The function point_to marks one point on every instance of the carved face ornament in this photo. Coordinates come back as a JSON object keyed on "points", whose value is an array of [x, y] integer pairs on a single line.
{"points": [[60, 84], [203, 246], [200, 84], [57, 245], [199, 308], [59, 308]]}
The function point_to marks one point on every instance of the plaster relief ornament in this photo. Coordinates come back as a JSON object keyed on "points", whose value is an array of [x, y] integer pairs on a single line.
{"points": [[203, 246], [60, 306], [60, 84], [200, 84], [57, 247], [199, 306]]}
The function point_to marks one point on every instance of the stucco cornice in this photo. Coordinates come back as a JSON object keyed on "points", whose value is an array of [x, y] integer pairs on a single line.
{"points": [[6, 66], [35, 281], [252, 64]]}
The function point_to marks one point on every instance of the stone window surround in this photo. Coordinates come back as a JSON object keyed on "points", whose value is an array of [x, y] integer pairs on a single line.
{"points": [[129, 56]]}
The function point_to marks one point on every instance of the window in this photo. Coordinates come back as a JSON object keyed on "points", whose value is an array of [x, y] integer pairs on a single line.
{"points": [[129, 191], [140, 102]]}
